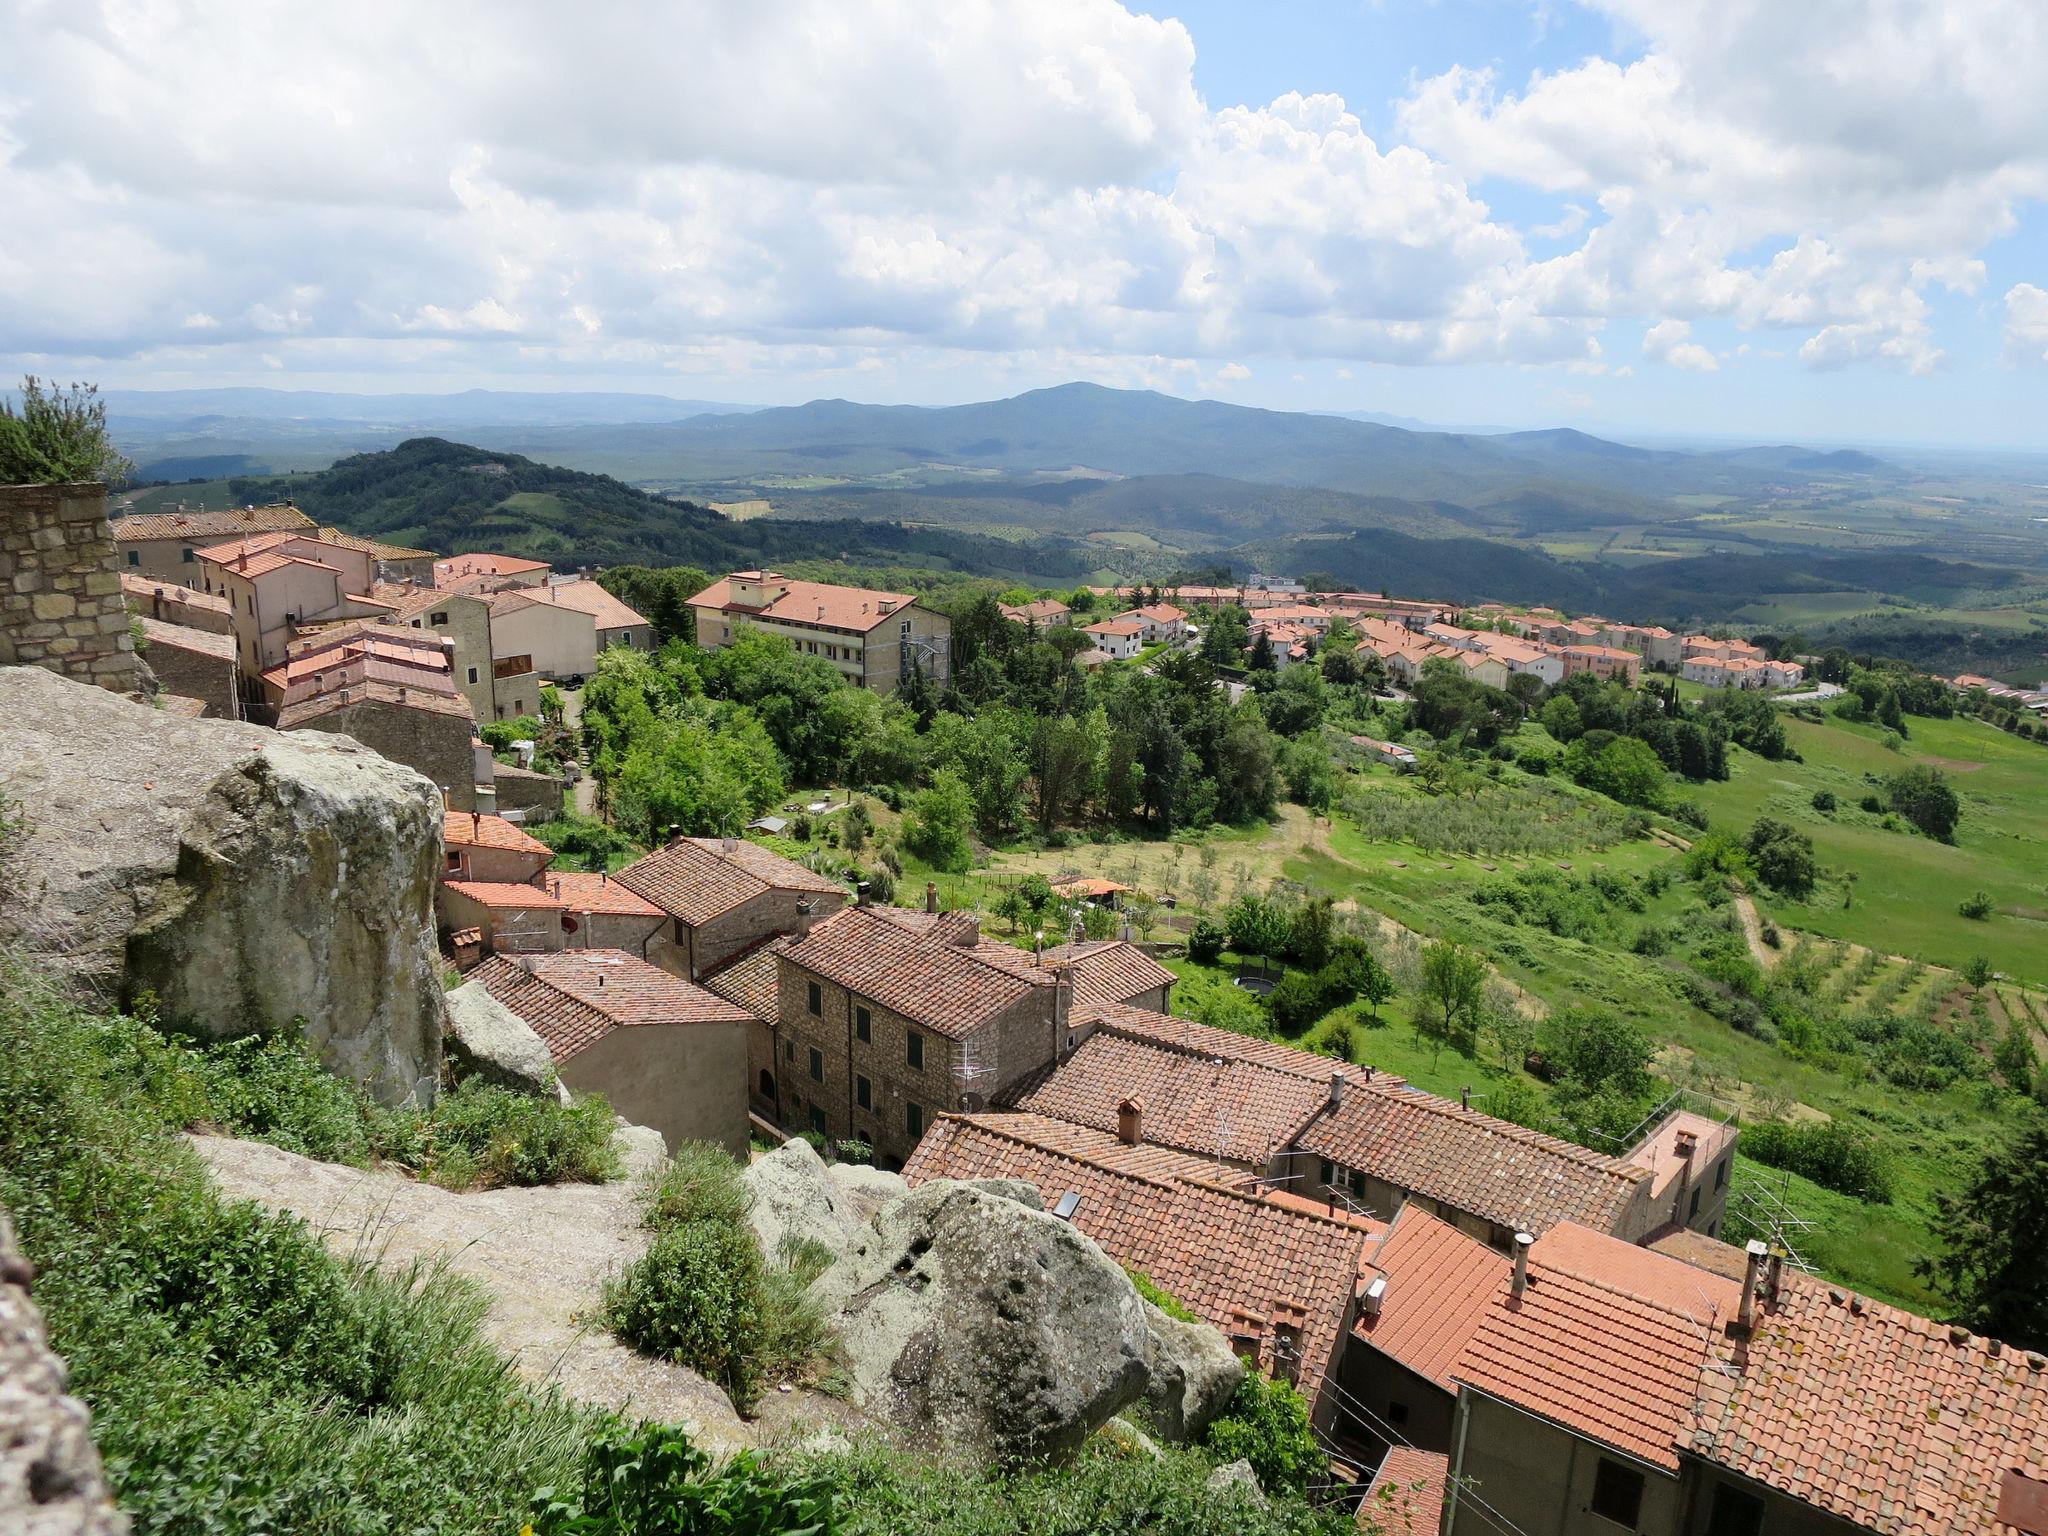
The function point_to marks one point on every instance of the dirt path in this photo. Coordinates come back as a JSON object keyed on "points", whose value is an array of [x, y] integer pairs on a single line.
{"points": [[1753, 932], [583, 793], [541, 1256]]}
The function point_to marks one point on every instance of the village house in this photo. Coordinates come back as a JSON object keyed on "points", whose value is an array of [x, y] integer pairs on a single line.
{"points": [[1045, 612], [602, 913], [560, 640], [1159, 622], [498, 687], [195, 664], [170, 603], [277, 585], [722, 896], [490, 849], [875, 639], [1116, 639], [663, 1052], [165, 546], [1392, 753], [1606, 662], [496, 570], [617, 623], [1483, 668]]}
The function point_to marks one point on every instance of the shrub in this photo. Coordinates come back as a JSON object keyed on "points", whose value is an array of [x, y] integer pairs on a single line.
{"points": [[1267, 1424], [1206, 941], [1692, 813], [1825, 1151], [701, 1183], [1301, 998], [695, 1298], [650, 1480], [482, 1134], [1976, 906], [1161, 1298], [1824, 801]]}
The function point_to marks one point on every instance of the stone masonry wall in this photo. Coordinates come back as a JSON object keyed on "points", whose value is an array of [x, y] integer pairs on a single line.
{"points": [[60, 592]]}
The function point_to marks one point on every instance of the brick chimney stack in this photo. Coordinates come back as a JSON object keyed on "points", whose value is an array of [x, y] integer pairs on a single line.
{"points": [[1130, 1122]]}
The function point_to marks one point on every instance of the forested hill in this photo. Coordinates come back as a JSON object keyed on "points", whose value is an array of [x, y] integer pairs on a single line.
{"points": [[428, 493]]}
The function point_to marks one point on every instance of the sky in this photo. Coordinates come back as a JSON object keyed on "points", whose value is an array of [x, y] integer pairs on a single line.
{"points": [[1756, 219]]}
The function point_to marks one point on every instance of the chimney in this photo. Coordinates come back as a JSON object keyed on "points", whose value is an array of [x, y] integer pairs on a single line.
{"points": [[1336, 1091], [860, 898], [476, 824], [1465, 1097], [931, 895], [1130, 1122], [968, 934], [1687, 1143], [1758, 1252], [1523, 1243], [806, 909], [156, 603], [1774, 1277]]}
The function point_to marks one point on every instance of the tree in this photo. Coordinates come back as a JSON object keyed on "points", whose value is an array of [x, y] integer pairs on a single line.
{"points": [[935, 827], [1261, 657], [1066, 765], [57, 436], [1783, 859], [1993, 1234], [1595, 1050], [1922, 795], [1206, 940], [1620, 767], [1256, 926], [2015, 1059], [1453, 989]]}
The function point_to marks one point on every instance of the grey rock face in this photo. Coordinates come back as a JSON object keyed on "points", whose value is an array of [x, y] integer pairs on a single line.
{"points": [[867, 1189], [1193, 1374], [488, 1040], [51, 1482], [797, 1201], [247, 878], [641, 1149], [1237, 1480], [978, 1325]]}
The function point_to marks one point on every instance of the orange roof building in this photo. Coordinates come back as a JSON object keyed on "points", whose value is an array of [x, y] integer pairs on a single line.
{"points": [[875, 639]]}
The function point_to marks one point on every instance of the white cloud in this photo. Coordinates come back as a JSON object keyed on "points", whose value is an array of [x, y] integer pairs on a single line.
{"points": [[1230, 373], [2026, 324], [1668, 342]]}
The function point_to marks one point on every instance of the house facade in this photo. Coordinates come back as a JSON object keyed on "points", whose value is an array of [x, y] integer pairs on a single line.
{"points": [[165, 546], [875, 639]]}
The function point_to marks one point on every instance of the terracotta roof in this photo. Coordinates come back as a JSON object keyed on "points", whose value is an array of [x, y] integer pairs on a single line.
{"points": [[145, 588], [263, 562], [515, 599], [1701, 1252], [1040, 610], [1492, 1168], [1655, 1277], [574, 998], [857, 609], [699, 878], [461, 567], [1087, 885], [505, 895], [1406, 1495], [184, 638], [588, 597], [404, 601], [1203, 1040], [924, 976], [1875, 1415], [751, 978], [587, 892], [454, 706], [1155, 613], [372, 547], [1109, 970], [1221, 1108], [1124, 627], [1240, 1263], [1601, 1362], [1439, 1282], [475, 829], [225, 524]]}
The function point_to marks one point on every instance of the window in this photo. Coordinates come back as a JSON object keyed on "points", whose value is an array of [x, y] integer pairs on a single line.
{"points": [[1695, 1206], [815, 998], [767, 1084], [1357, 1184], [519, 706], [789, 1051], [863, 1093], [817, 1120], [817, 1065], [1617, 1493], [915, 1047], [913, 1120], [135, 557], [1735, 1513], [1326, 1173], [1721, 1171], [190, 556], [1397, 1413], [863, 1023], [472, 674], [438, 620], [454, 860]]}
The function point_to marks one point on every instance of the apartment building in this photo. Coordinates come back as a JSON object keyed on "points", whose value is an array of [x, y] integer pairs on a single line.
{"points": [[1159, 622], [875, 639], [1116, 639], [165, 546], [498, 688], [1606, 662], [276, 584], [722, 897]]}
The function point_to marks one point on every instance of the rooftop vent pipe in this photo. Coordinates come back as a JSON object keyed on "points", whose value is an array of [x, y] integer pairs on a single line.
{"points": [[1523, 1243], [1336, 1091], [1752, 1273], [931, 895], [860, 897]]}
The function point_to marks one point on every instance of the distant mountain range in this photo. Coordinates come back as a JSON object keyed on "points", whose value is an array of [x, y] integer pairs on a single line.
{"points": [[471, 407]]}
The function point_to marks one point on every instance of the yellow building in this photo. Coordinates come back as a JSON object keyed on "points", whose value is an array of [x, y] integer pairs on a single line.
{"points": [[875, 639]]}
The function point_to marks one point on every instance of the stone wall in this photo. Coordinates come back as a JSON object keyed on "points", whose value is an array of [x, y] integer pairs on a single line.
{"points": [[60, 593], [51, 1482]]}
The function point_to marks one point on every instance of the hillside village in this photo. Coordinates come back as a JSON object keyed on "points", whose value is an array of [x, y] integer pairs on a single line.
{"points": [[1493, 1329]]}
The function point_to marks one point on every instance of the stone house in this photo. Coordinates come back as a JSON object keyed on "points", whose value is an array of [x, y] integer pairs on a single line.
{"points": [[603, 913], [490, 848], [664, 1053], [174, 604], [165, 546], [491, 570], [505, 916], [723, 896], [874, 638], [195, 664], [525, 794], [463, 619]]}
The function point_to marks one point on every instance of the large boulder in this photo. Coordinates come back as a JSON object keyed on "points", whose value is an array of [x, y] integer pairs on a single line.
{"points": [[797, 1202], [976, 1324], [486, 1039], [249, 879], [1193, 1376], [867, 1189], [51, 1482]]}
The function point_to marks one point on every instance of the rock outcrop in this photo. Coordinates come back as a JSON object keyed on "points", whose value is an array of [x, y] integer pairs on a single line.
{"points": [[247, 878], [796, 1201], [51, 1481], [978, 1324], [486, 1039], [1193, 1374], [867, 1189]]}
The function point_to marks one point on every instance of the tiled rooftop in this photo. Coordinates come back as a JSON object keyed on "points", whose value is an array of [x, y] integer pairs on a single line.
{"points": [[751, 978], [942, 985], [371, 547], [588, 892], [1439, 1282], [452, 705], [589, 597], [1656, 1277], [142, 589], [475, 829], [1406, 1495], [1888, 1420], [225, 524], [857, 609], [1597, 1360], [699, 878], [1203, 1040], [576, 997], [1109, 970], [1237, 1261], [504, 894], [463, 567], [184, 638], [1492, 1168]]}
